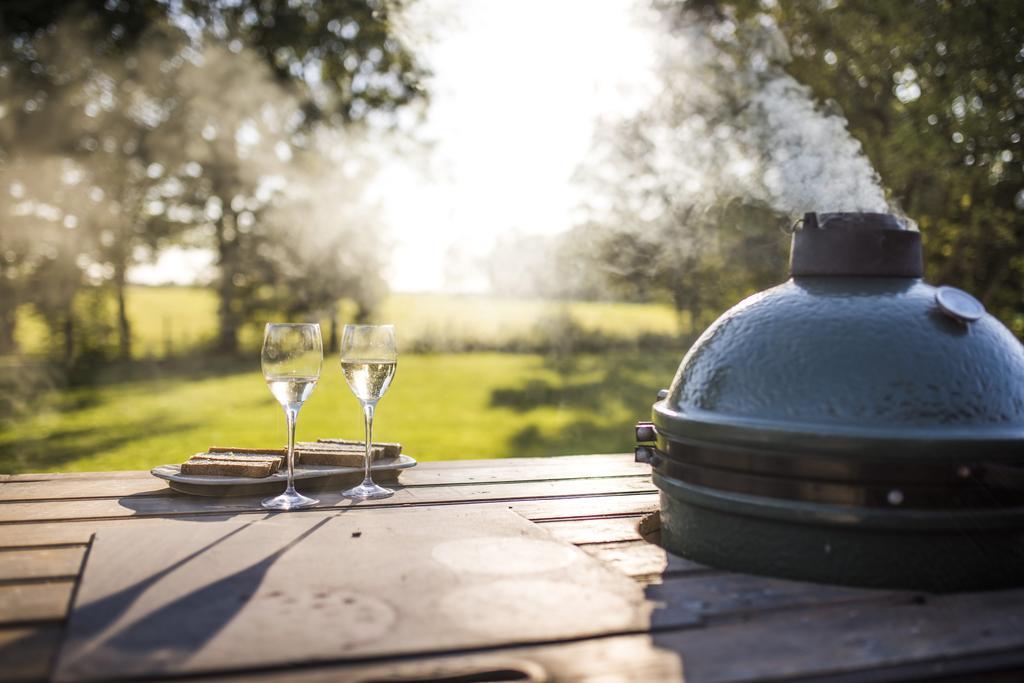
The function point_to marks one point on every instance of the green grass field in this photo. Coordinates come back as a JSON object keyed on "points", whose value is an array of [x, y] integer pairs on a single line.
{"points": [[175, 320], [441, 405]]}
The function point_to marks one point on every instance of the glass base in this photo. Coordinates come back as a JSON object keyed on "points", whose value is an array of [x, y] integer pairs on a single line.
{"points": [[367, 491], [289, 500]]}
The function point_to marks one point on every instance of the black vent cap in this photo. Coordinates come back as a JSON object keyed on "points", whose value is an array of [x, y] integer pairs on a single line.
{"points": [[856, 244]]}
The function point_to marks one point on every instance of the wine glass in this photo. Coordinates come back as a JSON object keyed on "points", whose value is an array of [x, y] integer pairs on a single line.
{"points": [[368, 359], [292, 357]]}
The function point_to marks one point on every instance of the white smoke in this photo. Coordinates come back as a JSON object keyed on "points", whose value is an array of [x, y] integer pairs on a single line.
{"points": [[729, 122], [810, 161]]}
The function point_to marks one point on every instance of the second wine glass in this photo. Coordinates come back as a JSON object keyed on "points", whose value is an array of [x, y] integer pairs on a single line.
{"points": [[369, 357]]}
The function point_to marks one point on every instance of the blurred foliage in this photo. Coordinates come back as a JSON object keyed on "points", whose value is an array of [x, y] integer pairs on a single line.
{"points": [[690, 191], [934, 90], [126, 127], [340, 56], [558, 266], [677, 211]]}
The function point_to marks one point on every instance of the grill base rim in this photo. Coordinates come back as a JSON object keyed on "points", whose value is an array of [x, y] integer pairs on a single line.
{"points": [[957, 558]]}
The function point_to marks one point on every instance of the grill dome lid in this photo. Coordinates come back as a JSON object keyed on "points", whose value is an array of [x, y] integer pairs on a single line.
{"points": [[855, 354]]}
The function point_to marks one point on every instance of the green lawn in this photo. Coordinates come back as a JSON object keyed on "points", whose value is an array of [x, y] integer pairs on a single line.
{"points": [[449, 320], [441, 406]]}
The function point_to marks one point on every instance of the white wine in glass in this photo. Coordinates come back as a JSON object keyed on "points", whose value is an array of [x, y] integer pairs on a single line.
{"points": [[369, 358], [368, 379], [292, 357]]}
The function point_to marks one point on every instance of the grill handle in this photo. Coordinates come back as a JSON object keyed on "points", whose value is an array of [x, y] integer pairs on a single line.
{"points": [[645, 432], [647, 454]]}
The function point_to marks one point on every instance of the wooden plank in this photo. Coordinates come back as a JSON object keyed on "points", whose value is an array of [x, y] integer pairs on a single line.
{"points": [[45, 534], [510, 474], [81, 489], [869, 642], [682, 602], [143, 506], [723, 595], [457, 472], [587, 463], [545, 510], [54, 476], [28, 602], [41, 563], [852, 639], [566, 509], [590, 463], [28, 653], [700, 596], [640, 559], [594, 460], [683, 585], [713, 595], [613, 530], [621, 658], [56, 490], [181, 600]]}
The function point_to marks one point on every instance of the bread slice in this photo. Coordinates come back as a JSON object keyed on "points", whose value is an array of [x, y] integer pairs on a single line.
{"points": [[246, 451], [236, 463], [338, 457], [276, 460], [255, 469], [391, 450]]}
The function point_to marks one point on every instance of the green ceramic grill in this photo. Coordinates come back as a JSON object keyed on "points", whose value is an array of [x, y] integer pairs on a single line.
{"points": [[852, 425]]}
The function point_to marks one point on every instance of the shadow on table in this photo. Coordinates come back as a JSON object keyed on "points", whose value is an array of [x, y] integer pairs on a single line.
{"points": [[207, 610], [118, 625], [204, 610], [231, 494], [724, 625]]}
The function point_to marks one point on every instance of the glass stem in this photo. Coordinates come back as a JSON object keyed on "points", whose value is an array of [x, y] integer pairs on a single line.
{"points": [[368, 415], [291, 415]]}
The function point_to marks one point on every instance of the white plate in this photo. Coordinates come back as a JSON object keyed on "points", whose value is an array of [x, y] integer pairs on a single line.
{"points": [[173, 473]]}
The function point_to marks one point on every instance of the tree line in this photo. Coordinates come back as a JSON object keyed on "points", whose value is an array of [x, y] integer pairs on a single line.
{"points": [[239, 127], [760, 99]]}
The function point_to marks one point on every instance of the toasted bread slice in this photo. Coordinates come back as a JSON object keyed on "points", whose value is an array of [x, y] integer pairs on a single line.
{"points": [[246, 451], [317, 447], [391, 450], [338, 457], [256, 469], [277, 461]]}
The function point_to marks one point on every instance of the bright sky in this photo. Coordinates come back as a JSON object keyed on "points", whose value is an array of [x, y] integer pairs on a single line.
{"points": [[518, 86], [517, 89]]}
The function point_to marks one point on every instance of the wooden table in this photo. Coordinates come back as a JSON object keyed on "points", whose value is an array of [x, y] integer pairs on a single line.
{"points": [[712, 625]]}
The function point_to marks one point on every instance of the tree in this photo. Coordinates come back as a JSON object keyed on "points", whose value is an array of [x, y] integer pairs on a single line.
{"points": [[131, 88], [332, 247], [235, 123], [771, 105], [934, 89], [94, 110], [49, 251], [340, 57], [687, 195]]}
